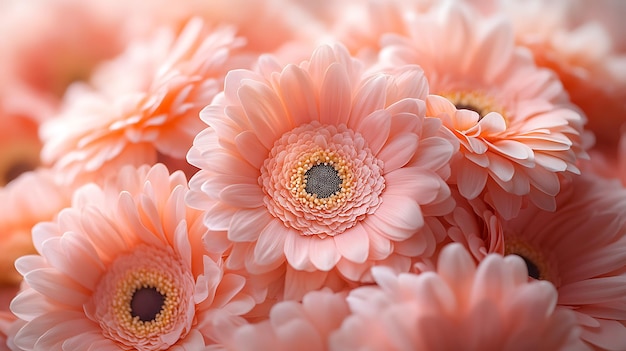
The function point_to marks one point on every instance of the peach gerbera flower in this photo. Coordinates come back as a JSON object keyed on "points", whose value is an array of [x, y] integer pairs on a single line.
{"points": [[517, 129], [462, 306], [21, 207], [141, 105], [321, 165], [564, 37], [124, 269], [580, 249], [295, 325]]}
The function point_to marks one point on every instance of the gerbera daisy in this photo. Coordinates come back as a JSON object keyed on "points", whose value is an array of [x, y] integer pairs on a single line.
{"points": [[295, 325], [517, 129], [461, 306], [581, 249], [321, 165], [128, 274], [564, 37], [143, 104], [33, 197]]}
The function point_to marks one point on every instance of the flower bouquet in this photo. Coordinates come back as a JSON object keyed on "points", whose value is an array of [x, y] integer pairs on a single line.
{"points": [[313, 175]]}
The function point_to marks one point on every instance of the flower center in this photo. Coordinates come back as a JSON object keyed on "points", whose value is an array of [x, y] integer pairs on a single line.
{"points": [[145, 302], [321, 180], [478, 102], [537, 266], [145, 297]]}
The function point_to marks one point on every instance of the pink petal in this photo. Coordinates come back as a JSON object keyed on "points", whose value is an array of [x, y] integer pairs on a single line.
{"points": [[591, 291], [398, 152], [297, 250], [370, 97], [353, 244], [246, 225], [270, 247], [397, 217], [471, 179], [242, 195], [323, 253], [265, 112], [251, 148], [336, 96], [298, 95], [375, 129], [380, 246], [51, 283], [433, 153]]}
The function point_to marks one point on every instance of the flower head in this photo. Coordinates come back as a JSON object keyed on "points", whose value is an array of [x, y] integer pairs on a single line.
{"points": [[140, 105], [126, 274], [322, 165], [580, 249], [461, 306], [21, 207], [518, 131]]}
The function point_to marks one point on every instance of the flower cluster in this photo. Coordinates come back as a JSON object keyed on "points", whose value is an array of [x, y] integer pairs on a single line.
{"points": [[303, 175]]}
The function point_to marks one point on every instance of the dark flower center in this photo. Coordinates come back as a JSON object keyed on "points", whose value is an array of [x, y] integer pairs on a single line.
{"points": [[146, 304], [322, 180], [16, 169]]}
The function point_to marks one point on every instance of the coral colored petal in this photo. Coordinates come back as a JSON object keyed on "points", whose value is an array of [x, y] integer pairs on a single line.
{"points": [[242, 195], [246, 225], [369, 98], [471, 179], [264, 110], [380, 246], [336, 96], [323, 253], [297, 250], [375, 129], [251, 148], [353, 244], [270, 246], [433, 153], [397, 152], [298, 95], [397, 218]]}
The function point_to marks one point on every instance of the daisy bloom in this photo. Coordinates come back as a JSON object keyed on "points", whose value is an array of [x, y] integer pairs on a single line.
{"points": [[21, 207], [461, 306], [517, 130], [126, 275], [321, 165], [141, 105], [295, 325], [581, 249], [573, 38]]}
